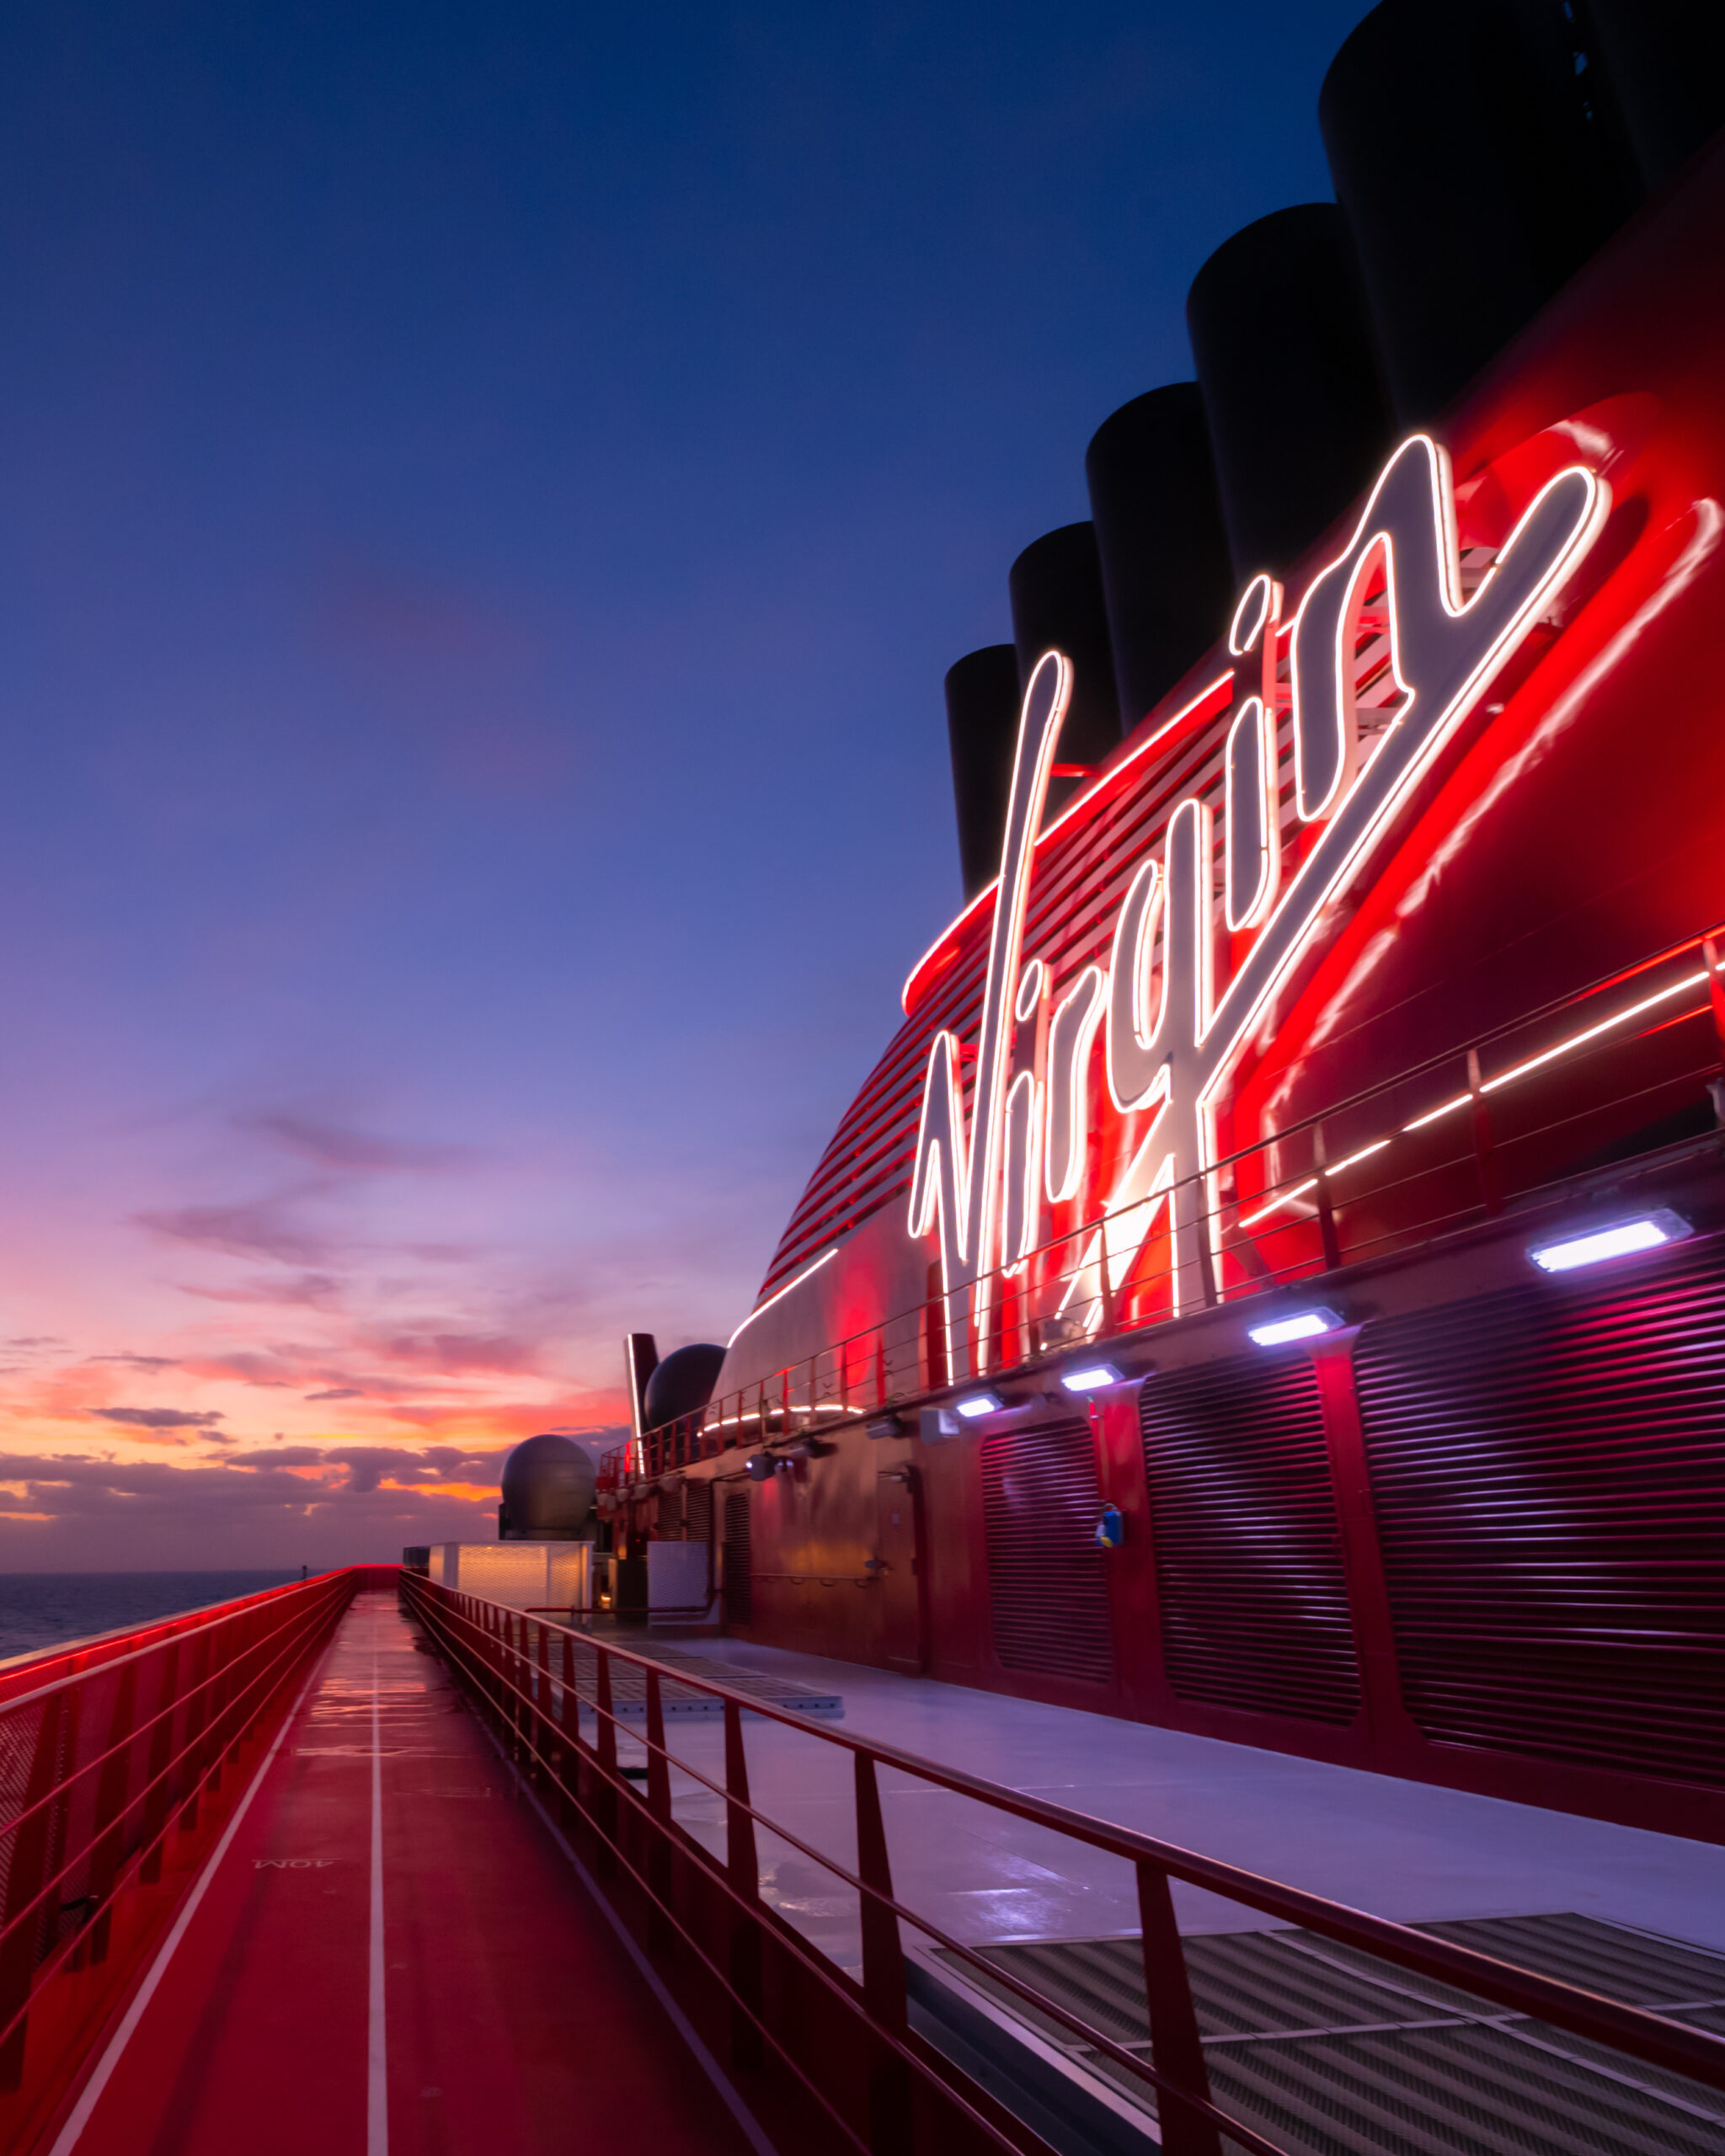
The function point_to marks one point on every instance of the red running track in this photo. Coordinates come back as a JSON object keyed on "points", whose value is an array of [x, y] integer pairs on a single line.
{"points": [[493, 2009]]}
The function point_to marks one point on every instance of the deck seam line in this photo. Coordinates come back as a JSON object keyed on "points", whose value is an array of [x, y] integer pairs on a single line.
{"points": [[704, 2059], [91, 2093]]}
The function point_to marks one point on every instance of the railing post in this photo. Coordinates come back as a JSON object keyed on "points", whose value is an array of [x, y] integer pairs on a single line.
{"points": [[605, 1743], [890, 2118], [1176, 2047], [744, 1870], [112, 1789], [156, 1805], [1491, 1185], [27, 1870], [568, 1755], [660, 1931], [544, 1735], [1715, 989], [1326, 1210], [196, 1710]]}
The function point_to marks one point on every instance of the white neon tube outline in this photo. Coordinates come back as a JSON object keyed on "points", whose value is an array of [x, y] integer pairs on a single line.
{"points": [[1317, 868], [1068, 1063], [1268, 592], [968, 1239], [761, 1309], [1376, 794], [1207, 694], [1253, 712], [1142, 919], [1379, 790], [1015, 1248]]}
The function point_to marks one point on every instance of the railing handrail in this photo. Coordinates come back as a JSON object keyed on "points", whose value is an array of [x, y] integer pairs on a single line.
{"points": [[1673, 2045]]}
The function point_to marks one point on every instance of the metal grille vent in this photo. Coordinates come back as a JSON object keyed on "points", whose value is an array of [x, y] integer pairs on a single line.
{"points": [[1248, 1559], [1332, 2053], [1550, 1490], [698, 1512], [1047, 1592], [739, 1561]]}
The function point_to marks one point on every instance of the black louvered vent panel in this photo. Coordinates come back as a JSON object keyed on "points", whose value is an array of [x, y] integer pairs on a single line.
{"points": [[698, 1512], [738, 1562], [1248, 1559], [1040, 1503], [1546, 1465]]}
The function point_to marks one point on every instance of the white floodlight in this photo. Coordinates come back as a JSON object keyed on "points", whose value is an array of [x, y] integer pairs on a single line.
{"points": [[978, 1403], [1304, 1325], [1091, 1377], [1620, 1239]]}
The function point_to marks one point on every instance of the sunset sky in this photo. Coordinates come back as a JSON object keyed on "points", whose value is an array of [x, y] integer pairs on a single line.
{"points": [[488, 494]]}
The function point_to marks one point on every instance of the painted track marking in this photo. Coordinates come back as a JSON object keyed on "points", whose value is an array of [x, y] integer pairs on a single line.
{"points": [[67, 2139]]}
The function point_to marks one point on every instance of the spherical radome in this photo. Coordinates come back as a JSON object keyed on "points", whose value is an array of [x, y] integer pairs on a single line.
{"points": [[681, 1383], [548, 1487]]}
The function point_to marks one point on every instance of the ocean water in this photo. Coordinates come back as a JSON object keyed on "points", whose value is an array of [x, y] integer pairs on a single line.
{"points": [[40, 1610]]}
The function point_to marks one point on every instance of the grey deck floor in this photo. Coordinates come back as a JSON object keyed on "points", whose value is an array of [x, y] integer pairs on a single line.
{"points": [[1401, 1849]]}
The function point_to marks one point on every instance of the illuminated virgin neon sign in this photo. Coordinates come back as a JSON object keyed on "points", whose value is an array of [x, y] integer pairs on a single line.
{"points": [[1170, 1043]]}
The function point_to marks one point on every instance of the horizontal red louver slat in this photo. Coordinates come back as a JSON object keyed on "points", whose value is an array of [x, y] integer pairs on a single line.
{"points": [[1546, 1470], [1049, 1599], [1248, 1563], [1077, 888]]}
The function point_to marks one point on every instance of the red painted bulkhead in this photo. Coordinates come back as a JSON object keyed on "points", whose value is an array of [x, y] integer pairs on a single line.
{"points": [[1577, 824]]}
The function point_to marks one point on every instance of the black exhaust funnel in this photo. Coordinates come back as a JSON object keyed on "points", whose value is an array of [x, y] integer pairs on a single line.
{"points": [[982, 728], [1163, 548], [1476, 176], [1663, 62], [1298, 417], [1055, 587]]}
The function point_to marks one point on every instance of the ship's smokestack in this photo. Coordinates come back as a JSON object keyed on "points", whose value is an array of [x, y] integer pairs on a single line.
{"points": [[982, 727], [1162, 545], [1299, 417], [1476, 177], [1056, 591], [1663, 63]]}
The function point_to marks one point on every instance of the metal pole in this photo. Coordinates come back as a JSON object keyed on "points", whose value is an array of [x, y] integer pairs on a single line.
{"points": [[1176, 2047]]}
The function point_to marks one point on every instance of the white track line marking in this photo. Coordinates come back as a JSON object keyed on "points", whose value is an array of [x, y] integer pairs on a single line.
{"points": [[68, 2135], [376, 2050]]}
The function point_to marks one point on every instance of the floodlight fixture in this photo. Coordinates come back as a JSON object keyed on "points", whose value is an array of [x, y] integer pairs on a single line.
{"points": [[1303, 1325], [1621, 1239], [975, 1404], [1092, 1377]]}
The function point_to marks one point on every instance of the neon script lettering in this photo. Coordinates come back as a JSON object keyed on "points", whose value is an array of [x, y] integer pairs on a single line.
{"points": [[1170, 1044]]}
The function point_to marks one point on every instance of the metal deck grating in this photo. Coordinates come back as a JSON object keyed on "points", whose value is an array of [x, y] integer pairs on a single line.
{"points": [[1333, 2052], [628, 1687]]}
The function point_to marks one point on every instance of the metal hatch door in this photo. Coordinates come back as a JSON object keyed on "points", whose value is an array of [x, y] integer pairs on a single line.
{"points": [[900, 1570]]}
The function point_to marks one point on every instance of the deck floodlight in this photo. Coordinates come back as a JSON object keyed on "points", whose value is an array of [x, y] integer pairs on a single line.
{"points": [[978, 1403], [1091, 1377], [1304, 1325], [758, 1467], [1620, 1239]]}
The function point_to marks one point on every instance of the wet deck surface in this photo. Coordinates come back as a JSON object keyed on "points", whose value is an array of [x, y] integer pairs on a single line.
{"points": [[511, 2017], [1408, 1850]]}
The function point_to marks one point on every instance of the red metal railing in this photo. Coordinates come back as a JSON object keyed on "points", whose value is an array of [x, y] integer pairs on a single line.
{"points": [[112, 1758], [1448, 1143], [848, 2044]]}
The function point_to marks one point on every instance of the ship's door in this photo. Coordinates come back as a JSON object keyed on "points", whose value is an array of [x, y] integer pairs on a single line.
{"points": [[900, 1570]]}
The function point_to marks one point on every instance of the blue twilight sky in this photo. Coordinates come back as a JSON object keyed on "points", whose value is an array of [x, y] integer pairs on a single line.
{"points": [[489, 495]]}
